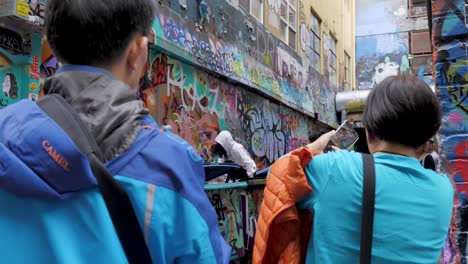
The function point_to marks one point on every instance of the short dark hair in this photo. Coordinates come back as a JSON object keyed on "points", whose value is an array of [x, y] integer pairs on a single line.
{"points": [[219, 150], [95, 32], [403, 110]]}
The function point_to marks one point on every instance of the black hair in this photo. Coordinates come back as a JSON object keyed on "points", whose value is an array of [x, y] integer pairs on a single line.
{"points": [[403, 110], [219, 150], [96, 33], [313, 137], [13, 86]]}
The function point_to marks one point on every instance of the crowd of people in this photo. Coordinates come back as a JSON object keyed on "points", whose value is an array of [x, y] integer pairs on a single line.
{"points": [[56, 209]]}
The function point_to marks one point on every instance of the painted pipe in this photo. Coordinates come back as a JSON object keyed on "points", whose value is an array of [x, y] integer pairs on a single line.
{"points": [[353, 101]]}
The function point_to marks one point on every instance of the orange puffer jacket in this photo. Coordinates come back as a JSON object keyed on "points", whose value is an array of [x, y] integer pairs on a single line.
{"points": [[283, 230]]}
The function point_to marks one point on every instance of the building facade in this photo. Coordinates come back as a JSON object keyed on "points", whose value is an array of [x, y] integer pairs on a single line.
{"points": [[392, 37]]}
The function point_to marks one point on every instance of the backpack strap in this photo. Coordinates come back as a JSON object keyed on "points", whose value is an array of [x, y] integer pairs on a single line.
{"points": [[368, 203], [117, 202]]}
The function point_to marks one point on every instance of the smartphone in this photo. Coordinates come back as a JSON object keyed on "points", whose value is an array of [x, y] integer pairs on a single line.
{"points": [[345, 136]]}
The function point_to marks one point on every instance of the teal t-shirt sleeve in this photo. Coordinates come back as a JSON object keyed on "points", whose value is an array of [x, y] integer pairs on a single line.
{"points": [[318, 175]]}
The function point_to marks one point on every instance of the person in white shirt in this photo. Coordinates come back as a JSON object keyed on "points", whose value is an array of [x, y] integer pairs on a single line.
{"points": [[229, 150], [433, 152], [431, 159]]}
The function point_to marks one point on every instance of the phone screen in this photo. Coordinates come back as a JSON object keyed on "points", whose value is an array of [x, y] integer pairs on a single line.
{"points": [[345, 136]]}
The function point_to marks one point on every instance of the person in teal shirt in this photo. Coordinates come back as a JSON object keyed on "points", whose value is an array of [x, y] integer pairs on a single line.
{"points": [[413, 205]]}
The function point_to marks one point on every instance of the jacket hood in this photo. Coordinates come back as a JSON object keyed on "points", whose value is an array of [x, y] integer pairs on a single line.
{"points": [[225, 140], [37, 158], [109, 107]]}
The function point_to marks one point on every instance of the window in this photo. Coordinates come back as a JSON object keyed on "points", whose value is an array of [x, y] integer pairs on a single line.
{"points": [[254, 7], [417, 8], [347, 70], [288, 17], [332, 60], [421, 54], [421, 65], [420, 42], [315, 28]]}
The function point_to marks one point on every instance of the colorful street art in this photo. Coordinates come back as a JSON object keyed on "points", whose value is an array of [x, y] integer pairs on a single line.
{"points": [[49, 63], [422, 67], [19, 60], [32, 14], [202, 70], [20, 50], [237, 210], [240, 49], [199, 101], [36, 11], [198, 106], [450, 59], [380, 56]]}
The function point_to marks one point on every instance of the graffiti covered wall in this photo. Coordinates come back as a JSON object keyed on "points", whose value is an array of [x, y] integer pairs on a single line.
{"points": [[20, 49], [237, 210], [450, 39], [219, 36], [198, 105], [36, 11], [23, 12], [19, 65]]}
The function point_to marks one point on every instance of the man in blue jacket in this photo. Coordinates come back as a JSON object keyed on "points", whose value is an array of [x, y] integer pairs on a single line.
{"points": [[52, 211]]}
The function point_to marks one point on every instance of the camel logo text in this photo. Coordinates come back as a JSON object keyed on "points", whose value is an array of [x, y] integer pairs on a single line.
{"points": [[55, 156]]}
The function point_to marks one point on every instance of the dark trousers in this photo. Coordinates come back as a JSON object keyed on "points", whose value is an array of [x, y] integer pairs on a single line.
{"points": [[236, 175]]}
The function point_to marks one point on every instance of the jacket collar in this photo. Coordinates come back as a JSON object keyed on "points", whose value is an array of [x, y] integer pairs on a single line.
{"points": [[107, 105]]}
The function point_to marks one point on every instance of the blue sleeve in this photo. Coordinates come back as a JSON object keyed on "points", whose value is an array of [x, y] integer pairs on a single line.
{"points": [[183, 234], [318, 174], [179, 223], [202, 241], [175, 230], [195, 236]]}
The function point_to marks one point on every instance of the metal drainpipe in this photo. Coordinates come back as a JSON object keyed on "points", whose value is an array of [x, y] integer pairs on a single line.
{"points": [[429, 20]]}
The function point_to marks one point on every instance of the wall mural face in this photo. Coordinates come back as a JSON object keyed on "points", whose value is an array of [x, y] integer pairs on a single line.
{"points": [[198, 106], [237, 46], [450, 57], [19, 60], [380, 56]]}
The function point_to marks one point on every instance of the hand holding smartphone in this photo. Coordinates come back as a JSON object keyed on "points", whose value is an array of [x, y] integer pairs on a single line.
{"points": [[345, 136]]}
